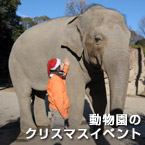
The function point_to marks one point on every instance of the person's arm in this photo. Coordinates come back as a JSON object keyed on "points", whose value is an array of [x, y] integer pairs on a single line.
{"points": [[66, 67], [58, 97]]}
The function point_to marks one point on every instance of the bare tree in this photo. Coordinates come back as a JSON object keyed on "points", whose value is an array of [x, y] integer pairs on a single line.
{"points": [[142, 26], [76, 7], [134, 36]]}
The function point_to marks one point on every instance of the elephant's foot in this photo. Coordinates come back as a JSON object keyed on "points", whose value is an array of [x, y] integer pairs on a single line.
{"points": [[43, 127], [26, 132], [84, 122], [22, 137], [43, 123]]}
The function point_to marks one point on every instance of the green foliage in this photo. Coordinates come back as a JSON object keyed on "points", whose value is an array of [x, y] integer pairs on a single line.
{"points": [[10, 29], [140, 42], [9, 24], [41, 19], [138, 46], [28, 22]]}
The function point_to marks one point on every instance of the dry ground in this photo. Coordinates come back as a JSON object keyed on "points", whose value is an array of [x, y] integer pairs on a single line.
{"points": [[10, 126]]}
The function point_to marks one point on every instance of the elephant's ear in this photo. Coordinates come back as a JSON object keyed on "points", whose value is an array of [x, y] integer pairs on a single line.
{"points": [[72, 37]]}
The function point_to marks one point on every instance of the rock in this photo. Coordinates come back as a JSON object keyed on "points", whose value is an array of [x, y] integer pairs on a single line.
{"points": [[137, 72]]}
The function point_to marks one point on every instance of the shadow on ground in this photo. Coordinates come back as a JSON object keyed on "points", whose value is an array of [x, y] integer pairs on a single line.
{"points": [[141, 95], [139, 139], [9, 132]]}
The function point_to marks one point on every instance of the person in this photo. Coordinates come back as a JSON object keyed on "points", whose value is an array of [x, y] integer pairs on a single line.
{"points": [[57, 95]]}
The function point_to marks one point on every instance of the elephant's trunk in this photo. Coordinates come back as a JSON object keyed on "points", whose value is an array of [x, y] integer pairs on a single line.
{"points": [[116, 63]]}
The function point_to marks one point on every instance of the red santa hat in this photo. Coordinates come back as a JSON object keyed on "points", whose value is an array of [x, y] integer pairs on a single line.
{"points": [[53, 64]]}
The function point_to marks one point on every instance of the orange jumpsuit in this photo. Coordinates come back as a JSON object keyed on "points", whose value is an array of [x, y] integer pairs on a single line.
{"points": [[57, 94]]}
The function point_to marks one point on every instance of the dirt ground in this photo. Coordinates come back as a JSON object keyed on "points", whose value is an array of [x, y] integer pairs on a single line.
{"points": [[10, 124]]}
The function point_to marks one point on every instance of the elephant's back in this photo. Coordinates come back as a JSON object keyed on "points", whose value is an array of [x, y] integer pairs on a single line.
{"points": [[41, 36]]}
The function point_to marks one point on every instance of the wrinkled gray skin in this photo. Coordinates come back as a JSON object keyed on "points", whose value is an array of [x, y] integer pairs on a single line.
{"points": [[95, 41]]}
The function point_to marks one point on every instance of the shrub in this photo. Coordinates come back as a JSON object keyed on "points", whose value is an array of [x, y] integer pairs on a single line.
{"points": [[138, 46]]}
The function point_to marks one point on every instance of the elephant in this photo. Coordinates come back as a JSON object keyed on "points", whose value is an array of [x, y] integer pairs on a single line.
{"points": [[95, 42]]}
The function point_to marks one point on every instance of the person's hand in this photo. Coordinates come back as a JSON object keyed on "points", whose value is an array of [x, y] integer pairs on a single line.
{"points": [[66, 61]]}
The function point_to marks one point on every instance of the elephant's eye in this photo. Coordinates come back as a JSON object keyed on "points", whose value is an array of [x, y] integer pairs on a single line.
{"points": [[98, 39]]}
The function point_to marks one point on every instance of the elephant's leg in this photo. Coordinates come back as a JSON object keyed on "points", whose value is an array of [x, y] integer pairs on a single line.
{"points": [[76, 93], [23, 92], [40, 113], [99, 100]]}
